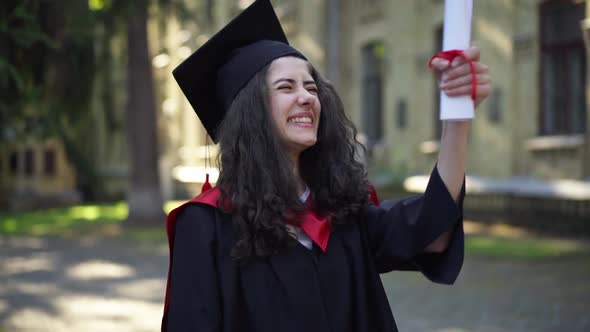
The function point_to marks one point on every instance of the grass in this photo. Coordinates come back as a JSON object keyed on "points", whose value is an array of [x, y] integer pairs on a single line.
{"points": [[56, 221], [107, 219], [523, 247], [97, 219]]}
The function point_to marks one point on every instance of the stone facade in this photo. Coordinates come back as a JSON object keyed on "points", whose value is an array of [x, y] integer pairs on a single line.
{"points": [[376, 53], [506, 139], [34, 174]]}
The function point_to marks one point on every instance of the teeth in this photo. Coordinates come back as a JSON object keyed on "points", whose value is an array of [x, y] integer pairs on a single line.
{"points": [[301, 120]]}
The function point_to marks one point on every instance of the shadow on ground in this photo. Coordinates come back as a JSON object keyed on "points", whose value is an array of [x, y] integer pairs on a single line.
{"points": [[56, 284], [117, 284]]}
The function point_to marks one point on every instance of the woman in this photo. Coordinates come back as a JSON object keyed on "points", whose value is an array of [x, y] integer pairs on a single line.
{"points": [[289, 240]]}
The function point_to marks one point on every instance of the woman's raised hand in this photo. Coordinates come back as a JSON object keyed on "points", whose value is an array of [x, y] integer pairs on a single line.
{"points": [[456, 78]]}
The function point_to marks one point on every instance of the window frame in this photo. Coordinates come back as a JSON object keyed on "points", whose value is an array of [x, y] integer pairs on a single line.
{"points": [[373, 77], [49, 162], [563, 50]]}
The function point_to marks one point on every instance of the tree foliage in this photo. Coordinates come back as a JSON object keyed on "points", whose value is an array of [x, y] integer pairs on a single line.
{"points": [[21, 37], [47, 65], [51, 53]]}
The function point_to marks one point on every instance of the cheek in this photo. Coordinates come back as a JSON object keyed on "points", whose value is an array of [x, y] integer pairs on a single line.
{"points": [[280, 108], [276, 117], [318, 108], [274, 109], [317, 104]]}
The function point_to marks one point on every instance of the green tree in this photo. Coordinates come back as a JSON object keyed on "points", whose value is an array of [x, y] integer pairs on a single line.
{"points": [[46, 76], [48, 64]]}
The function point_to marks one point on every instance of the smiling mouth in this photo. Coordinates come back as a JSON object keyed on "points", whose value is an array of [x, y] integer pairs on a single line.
{"points": [[300, 119]]}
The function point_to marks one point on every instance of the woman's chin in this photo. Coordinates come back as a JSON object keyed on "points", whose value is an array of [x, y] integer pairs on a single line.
{"points": [[303, 143], [308, 143]]}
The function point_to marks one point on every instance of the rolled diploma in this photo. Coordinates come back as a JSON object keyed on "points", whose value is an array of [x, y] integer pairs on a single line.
{"points": [[457, 36]]}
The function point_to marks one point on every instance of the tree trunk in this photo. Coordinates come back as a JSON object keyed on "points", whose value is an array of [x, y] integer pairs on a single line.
{"points": [[143, 196]]}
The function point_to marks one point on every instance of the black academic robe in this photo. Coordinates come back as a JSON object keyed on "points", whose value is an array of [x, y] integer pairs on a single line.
{"points": [[309, 290]]}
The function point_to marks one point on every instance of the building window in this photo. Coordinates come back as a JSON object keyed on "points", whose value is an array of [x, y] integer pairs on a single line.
{"points": [[495, 106], [437, 124], [13, 163], [29, 162], [372, 91], [563, 68], [402, 113], [49, 162]]}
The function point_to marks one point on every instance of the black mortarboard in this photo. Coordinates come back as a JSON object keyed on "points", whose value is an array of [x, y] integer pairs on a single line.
{"points": [[212, 76]]}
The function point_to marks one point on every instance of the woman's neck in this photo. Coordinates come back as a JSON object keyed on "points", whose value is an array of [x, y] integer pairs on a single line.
{"points": [[301, 186]]}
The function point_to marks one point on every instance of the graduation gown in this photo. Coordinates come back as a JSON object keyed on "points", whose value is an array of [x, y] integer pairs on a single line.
{"points": [[299, 289]]}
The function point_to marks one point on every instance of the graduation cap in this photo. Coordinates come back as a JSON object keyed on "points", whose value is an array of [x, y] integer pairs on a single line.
{"points": [[212, 76]]}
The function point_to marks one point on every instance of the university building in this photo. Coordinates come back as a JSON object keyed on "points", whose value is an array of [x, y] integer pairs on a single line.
{"points": [[530, 138]]}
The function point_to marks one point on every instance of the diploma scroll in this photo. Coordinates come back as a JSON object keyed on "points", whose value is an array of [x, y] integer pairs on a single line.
{"points": [[457, 36]]}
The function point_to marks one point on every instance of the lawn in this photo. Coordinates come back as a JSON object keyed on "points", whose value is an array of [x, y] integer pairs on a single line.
{"points": [[107, 219], [524, 247]]}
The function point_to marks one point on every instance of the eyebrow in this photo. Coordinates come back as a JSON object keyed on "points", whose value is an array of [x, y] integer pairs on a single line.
{"points": [[292, 81]]}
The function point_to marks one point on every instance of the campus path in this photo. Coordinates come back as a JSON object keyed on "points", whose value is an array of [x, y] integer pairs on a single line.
{"points": [[113, 284]]}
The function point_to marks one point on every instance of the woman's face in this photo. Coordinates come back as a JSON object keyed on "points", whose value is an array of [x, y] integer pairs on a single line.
{"points": [[294, 104]]}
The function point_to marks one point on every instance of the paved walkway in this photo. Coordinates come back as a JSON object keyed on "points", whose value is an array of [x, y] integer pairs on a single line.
{"points": [[50, 284]]}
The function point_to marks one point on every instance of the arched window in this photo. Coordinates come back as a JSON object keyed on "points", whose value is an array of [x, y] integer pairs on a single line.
{"points": [[563, 68], [49, 162], [372, 91], [29, 162]]}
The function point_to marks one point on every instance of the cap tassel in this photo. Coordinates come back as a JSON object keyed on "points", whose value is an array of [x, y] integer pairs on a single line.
{"points": [[206, 185], [373, 198]]}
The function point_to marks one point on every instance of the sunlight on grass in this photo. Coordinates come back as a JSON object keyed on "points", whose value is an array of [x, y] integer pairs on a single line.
{"points": [[100, 220], [84, 212], [170, 205], [57, 220], [523, 247], [107, 219], [10, 225], [495, 229]]}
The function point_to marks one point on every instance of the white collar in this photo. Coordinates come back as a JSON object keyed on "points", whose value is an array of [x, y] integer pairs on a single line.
{"points": [[305, 195]]}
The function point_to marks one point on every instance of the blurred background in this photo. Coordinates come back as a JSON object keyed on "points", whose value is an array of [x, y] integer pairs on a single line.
{"points": [[97, 143]]}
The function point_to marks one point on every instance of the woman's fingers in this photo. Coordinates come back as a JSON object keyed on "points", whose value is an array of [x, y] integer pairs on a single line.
{"points": [[462, 70], [456, 77], [483, 90], [472, 53], [440, 64], [465, 80]]}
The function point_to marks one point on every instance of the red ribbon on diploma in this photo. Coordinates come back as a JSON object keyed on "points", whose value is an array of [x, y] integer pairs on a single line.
{"points": [[450, 56]]}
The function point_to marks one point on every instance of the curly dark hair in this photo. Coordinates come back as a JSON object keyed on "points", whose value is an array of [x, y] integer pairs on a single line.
{"points": [[256, 176]]}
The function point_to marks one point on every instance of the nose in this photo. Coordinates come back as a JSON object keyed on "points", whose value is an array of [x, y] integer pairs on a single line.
{"points": [[306, 98]]}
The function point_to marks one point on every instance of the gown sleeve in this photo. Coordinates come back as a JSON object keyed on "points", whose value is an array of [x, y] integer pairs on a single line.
{"points": [[194, 288], [398, 236]]}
